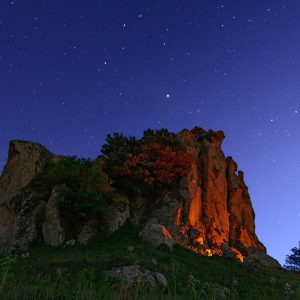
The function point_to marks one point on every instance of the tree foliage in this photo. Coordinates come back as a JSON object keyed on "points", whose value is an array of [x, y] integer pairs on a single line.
{"points": [[116, 151], [292, 261], [158, 157], [157, 164], [84, 189]]}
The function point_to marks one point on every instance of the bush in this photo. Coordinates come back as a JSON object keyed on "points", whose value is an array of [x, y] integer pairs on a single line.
{"points": [[158, 158], [157, 164], [84, 189]]}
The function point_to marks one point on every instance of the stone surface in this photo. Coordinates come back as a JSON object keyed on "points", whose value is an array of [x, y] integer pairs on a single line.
{"points": [[149, 279], [161, 279], [133, 275], [25, 161], [137, 210], [25, 225], [256, 258], [88, 231], [53, 231], [210, 212], [117, 215], [158, 235], [130, 249], [70, 243]]}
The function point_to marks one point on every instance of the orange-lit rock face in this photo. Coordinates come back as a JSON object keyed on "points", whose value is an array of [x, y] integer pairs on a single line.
{"points": [[239, 255], [216, 209], [211, 209], [195, 206], [179, 212], [199, 240]]}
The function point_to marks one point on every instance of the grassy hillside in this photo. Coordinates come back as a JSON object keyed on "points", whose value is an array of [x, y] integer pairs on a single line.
{"points": [[77, 273]]}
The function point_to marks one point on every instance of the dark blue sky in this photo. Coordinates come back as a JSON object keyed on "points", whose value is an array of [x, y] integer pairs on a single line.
{"points": [[73, 71]]}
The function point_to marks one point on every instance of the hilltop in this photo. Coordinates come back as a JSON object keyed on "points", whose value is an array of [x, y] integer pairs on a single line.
{"points": [[168, 203]]}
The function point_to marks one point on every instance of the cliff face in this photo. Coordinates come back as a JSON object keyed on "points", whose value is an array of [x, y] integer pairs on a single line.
{"points": [[210, 210], [25, 161]]}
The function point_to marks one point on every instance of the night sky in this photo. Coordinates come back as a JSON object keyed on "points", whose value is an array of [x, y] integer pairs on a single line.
{"points": [[73, 71]]}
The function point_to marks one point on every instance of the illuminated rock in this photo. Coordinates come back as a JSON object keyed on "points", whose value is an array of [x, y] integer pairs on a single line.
{"points": [[211, 208], [159, 236]]}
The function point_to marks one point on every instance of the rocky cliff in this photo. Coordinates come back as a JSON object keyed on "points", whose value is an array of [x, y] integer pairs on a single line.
{"points": [[210, 210], [25, 161]]}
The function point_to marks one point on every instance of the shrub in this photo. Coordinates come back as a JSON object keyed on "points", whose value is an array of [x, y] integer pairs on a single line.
{"points": [[158, 158], [84, 189], [157, 164]]}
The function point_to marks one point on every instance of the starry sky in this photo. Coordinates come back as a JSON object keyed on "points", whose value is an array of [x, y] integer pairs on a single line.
{"points": [[73, 71]]}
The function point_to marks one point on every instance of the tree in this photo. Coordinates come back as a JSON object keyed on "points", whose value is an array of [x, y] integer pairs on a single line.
{"points": [[157, 159], [157, 164], [84, 189], [292, 261], [116, 151]]}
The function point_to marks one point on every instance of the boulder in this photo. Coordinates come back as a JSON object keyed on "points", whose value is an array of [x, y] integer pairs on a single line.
{"points": [[70, 243], [159, 236], [130, 249], [88, 231], [53, 231], [117, 215], [25, 161], [161, 279]]}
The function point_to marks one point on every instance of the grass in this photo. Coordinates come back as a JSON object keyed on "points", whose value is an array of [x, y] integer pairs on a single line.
{"points": [[77, 273]]}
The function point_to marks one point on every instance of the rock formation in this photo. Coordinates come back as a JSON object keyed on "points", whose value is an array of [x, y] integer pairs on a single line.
{"points": [[25, 161], [210, 212], [23, 213]]}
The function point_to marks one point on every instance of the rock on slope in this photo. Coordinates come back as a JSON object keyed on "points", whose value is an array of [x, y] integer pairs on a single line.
{"points": [[22, 220], [25, 161], [210, 213]]}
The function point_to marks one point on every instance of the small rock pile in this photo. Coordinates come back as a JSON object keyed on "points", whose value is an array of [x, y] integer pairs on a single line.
{"points": [[133, 275]]}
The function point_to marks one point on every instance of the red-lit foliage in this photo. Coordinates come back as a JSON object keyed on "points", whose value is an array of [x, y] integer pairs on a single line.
{"points": [[157, 163]]}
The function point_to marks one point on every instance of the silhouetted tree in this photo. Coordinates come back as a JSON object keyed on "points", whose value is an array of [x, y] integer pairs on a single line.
{"points": [[292, 261]]}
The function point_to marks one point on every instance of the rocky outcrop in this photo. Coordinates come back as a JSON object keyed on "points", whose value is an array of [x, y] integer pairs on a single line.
{"points": [[53, 231], [117, 215], [208, 211], [133, 275], [88, 231], [26, 214], [211, 211], [25, 161], [158, 235], [242, 229]]}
